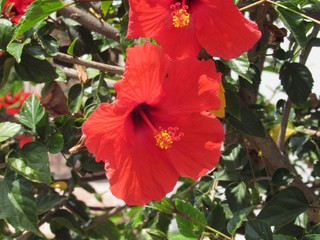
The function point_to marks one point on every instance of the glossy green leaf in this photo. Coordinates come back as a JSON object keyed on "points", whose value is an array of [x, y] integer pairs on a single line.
{"points": [[17, 203], [31, 112], [238, 196], [240, 65], [75, 96], [294, 22], [297, 81], [36, 12], [256, 230], [284, 207], [165, 205], [105, 229], [249, 124], [311, 237], [283, 237], [72, 46], [8, 130], [105, 5], [32, 162], [49, 44], [55, 143], [189, 219], [35, 70], [48, 201], [15, 49], [6, 32], [237, 220]]}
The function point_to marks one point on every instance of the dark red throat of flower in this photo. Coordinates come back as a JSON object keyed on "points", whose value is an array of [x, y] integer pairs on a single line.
{"points": [[164, 137], [180, 15]]}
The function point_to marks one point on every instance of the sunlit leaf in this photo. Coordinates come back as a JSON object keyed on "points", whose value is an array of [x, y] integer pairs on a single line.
{"points": [[284, 207], [8, 130], [17, 203], [32, 162], [31, 112]]}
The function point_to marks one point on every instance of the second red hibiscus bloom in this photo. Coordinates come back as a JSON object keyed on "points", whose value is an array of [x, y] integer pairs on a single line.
{"points": [[15, 9], [158, 128], [183, 27]]}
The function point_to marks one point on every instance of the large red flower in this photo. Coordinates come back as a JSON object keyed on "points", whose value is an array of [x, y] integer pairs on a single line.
{"points": [[13, 104], [158, 128], [15, 9], [183, 27]]}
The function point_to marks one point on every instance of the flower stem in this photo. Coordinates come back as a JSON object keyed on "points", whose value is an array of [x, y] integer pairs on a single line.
{"points": [[251, 5]]}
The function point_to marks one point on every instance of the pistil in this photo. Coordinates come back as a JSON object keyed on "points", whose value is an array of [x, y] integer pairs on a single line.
{"points": [[180, 16]]}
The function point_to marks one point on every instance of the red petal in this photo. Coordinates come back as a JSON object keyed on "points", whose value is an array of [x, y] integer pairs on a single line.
{"points": [[106, 129], [146, 17], [222, 29], [178, 42], [142, 172], [192, 86], [146, 68], [198, 151]]}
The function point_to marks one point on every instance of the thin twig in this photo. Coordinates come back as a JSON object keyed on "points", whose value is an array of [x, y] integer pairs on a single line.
{"points": [[101, 66]]}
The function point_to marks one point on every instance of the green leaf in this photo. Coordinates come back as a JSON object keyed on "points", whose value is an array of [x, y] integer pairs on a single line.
{"points": [[71, 47], [249, 124], [284, 207], [240, 65], [31, 112], [55, 143], [297, 81], [190, 220], [32, 162], [283, 237], [48, 201], [49, 44], [256, 230], [105, 5], [104, 229], [232, 103], [5, 70], [8, 130], [75, 96], [165, 205], [157, 234], [2, 2], [17, 203], [64, 219], [282, 177], [238, 196], [6, 32], [237, 219], [35, 70], [15, 49], [293, 21], [312, 237], [36, 12]]}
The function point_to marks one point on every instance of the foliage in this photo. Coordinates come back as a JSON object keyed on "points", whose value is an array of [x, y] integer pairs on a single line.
{"points": [[263, 188]]}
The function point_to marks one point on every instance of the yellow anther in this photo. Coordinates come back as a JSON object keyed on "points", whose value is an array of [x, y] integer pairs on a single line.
{"points": [[165, 138], [180, 18]]}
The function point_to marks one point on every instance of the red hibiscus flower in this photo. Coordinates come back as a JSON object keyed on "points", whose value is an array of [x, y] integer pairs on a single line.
{"points": [[183, 27], [23, 139], [13, 104], [15, 9], [158, 128]]}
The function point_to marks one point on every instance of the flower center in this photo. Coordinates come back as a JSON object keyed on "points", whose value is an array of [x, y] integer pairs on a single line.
{"points": [[180, 16], [164, 137]]}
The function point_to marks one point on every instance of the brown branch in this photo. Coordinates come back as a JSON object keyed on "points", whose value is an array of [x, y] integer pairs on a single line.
{"points": [[101, 66], [90, 22], [283, 126]]}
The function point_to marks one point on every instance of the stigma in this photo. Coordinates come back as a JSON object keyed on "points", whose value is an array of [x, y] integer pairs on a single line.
{"points": [[166, 137], [180, 16]]}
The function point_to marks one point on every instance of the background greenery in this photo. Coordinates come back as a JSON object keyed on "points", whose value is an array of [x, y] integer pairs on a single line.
{"points": [[266, 185]]}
